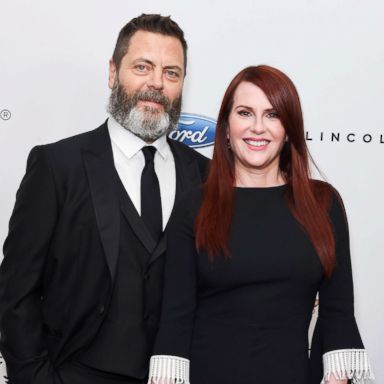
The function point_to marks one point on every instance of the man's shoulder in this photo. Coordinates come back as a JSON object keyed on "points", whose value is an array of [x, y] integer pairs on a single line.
{"points": [[188, 155], [67, 154], [188, 152], [80, 140]]}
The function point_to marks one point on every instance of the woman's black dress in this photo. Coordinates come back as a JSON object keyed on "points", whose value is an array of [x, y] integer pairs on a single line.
{"points": [[245, 319]]}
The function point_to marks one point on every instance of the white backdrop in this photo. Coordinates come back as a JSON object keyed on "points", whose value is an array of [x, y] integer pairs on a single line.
{"points": [[53, 76]]}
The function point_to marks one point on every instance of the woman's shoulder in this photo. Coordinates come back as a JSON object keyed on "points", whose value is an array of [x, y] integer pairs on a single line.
{"points": [[321, 187], [325, 191], [331, 198]]}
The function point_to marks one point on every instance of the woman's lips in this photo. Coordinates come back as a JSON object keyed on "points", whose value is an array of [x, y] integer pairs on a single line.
{"points": [[257, 144]]}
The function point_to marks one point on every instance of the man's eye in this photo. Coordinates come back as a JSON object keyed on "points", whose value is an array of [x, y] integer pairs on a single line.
{"points": [[172, 74], [141, 67]]}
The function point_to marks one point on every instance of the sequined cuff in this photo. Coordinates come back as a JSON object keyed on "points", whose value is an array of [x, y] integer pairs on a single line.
{"points": [[352, 364], [165, 369]]}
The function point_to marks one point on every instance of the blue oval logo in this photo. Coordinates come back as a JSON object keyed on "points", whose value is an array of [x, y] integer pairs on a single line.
{"points": [[196, 131]]}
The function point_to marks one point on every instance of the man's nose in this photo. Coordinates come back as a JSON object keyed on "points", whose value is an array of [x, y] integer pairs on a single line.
{"points": [[155, 81]]}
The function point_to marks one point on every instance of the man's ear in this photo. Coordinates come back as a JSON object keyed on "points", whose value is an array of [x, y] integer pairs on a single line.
{"points": [[112, 74]]}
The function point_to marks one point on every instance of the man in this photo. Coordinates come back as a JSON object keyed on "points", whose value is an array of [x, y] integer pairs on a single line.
{"points": [[81, 279]]}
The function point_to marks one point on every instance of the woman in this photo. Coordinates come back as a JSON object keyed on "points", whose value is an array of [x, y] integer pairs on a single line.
{"points": [[248, 254]]}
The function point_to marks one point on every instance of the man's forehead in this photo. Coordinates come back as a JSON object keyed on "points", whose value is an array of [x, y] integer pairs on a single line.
{"points": [[144, 43]]}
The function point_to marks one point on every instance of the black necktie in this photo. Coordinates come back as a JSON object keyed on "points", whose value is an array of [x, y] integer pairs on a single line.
{"points": [[151, 212]]}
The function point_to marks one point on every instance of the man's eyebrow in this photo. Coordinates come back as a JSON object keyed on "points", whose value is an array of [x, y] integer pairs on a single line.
{"points": [[147, 61], [173, 67], [143, 59]]}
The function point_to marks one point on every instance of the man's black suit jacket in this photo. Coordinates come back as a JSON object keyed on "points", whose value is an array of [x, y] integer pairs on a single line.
{"points": [[61, 252]]}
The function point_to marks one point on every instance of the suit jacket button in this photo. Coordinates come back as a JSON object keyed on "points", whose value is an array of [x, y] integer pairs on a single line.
{"points": [[146, 276], [101, 309], [146, 316]]}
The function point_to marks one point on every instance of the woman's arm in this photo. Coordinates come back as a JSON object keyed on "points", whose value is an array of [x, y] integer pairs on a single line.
{"points": [[337, 351], [170, 360]]}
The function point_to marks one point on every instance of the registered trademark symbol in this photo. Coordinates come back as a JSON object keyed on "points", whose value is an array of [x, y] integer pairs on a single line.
{"points": [[5, 114]]}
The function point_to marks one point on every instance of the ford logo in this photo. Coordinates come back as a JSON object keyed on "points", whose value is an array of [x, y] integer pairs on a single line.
{"points": [[194, 130]]}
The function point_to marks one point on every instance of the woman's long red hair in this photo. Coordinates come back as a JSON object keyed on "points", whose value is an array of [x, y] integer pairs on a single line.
{"points": [[308, 200]]}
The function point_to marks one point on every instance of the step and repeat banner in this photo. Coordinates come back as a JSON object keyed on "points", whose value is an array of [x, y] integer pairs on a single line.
{"points": [[54, 73]]}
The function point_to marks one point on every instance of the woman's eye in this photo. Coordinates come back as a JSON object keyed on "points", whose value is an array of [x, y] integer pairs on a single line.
{"points": [[272, 115], [244, 113]]}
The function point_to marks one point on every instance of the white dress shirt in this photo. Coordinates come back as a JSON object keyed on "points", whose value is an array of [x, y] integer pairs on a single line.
{"points": [[129, 163]]}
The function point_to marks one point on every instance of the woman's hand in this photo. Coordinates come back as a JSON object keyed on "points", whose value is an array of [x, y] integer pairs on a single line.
{"points": [[332, 380]]}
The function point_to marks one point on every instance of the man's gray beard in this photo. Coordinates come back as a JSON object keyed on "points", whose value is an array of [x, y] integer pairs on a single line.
{"points": [[148, 123]]}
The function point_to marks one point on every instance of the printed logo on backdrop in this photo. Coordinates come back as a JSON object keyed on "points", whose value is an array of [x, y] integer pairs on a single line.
{"points": [[348, 137], [5, 114], [196, 131]]}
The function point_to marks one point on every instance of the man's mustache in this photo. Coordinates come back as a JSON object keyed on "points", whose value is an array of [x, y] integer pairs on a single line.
{"points": [[153, 96]]}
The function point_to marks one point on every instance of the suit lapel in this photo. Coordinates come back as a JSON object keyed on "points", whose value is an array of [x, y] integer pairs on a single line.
{"points": [[103, 182], [98, 160], [187, 176]]}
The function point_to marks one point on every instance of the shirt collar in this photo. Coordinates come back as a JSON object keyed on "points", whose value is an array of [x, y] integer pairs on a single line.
{"points": [[130, 144]]}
